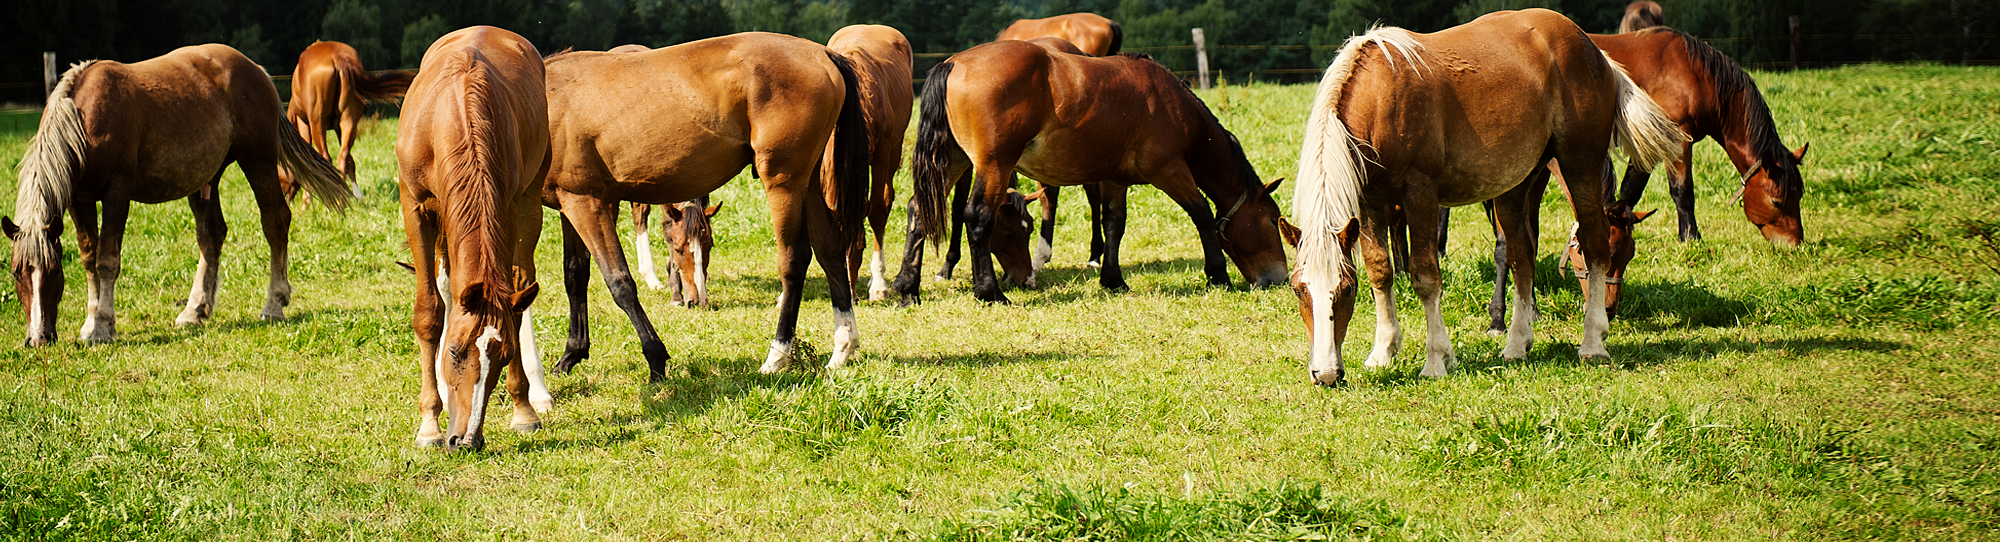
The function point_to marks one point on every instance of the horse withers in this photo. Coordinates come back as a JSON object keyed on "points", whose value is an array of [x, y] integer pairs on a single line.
{"points": [[329, 91], [154, 131], [675, 123], [881, 58], [1068, 120], [1391, 125], [472, 149], [1094, 34]]}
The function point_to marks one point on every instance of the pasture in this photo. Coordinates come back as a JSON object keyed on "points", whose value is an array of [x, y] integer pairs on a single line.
{"points": [[1846, 389]]}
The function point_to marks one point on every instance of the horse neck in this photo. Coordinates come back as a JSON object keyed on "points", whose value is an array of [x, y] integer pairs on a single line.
{"points": [[1748, 135], [480, 220], [48, 171], [1218, 170]]}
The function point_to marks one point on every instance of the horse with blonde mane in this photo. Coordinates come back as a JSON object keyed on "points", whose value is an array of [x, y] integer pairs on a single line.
{"points": [[472, 150], [329, 91], [1456, 117], [154, 131]]}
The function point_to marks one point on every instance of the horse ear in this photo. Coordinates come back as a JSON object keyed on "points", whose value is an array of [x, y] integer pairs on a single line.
{"points": [[673, 211], [524, 297], [1641, 216], [1801, 153], [1273, 185], [711, 210], [1351, 232], [407, 267], [13, 231], [1290, 232], [472, 293]]}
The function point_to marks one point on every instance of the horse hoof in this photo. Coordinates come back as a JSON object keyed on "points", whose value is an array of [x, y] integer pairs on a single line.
{"points": [[526, 428], [1596, 359], [1094, 264], [272, 315], [430, 442], [1328, 379], [543, 406]]}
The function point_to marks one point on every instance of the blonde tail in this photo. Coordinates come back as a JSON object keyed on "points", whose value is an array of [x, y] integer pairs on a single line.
{"points": [[1643, 129]]}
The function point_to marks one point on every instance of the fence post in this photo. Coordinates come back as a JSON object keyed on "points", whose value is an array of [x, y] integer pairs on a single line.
{"points": [[1795, 42], [1201, 58], [48, 73]]}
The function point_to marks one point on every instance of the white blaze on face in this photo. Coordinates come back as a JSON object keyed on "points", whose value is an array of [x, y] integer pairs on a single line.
{"points": [[34, 305], [700, 272], [1325, 349], [484, 344]]}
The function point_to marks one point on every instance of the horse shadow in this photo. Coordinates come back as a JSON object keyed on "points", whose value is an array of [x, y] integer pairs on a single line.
{"points": [[702, 382], [988, 358]]}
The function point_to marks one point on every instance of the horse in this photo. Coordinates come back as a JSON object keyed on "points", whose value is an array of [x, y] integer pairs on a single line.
{"points": [[881, 58], [471, 152], [1092, 33], [690, 242], [1393, 124], [1620, 221], [1640, 15], [154, 131], [328, 91], [675, 123], [1068, 120]]}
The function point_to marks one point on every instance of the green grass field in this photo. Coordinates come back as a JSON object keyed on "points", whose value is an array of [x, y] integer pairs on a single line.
{"points": [[1847, 389]]}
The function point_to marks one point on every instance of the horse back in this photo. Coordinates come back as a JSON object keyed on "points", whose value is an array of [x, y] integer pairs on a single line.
{"points": [[882, 65], [1658, 61], [477, 86], [175, 120]]}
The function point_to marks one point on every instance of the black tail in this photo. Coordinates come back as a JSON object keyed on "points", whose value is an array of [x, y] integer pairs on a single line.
{"points": [[850, 155], [1117, 38], [931, 160]]}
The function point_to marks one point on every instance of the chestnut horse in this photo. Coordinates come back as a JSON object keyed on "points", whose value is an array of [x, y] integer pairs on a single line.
{"points": [[1068, 120], [675, 123], [1393, 124], [328, 89], [471, 151], [690, 240], [1641, 15], [881, 58], [154, 131], [1094, 34]]}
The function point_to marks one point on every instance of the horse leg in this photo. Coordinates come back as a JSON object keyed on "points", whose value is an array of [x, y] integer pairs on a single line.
{"points": [[525, 381], [881, 201], [1634, 184], [641, 214], [427, 321], [1428, 283], [350, 125], [1179, 185], [209, 232], [1680, 185], [1112, 205], [576, 287], [1585, 181], [991, 183], [1376, 224], [595, 222], [820, 230], [1514, 214], [961, 212], [1099, 211], [909, 280], [276, 215], [100, 266], [788, 222], [1496, 307]]}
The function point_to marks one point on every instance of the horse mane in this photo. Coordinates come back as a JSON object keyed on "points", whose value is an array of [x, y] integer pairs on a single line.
{"points": [[1242, 160], [1736, 93], [1326, 194], [470, 179], [48, 170]]}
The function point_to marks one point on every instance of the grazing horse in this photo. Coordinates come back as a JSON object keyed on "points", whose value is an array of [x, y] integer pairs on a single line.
{"points": [[881, 58], [472, 149], [1092, 33], [1068, 120], [1619, 218], [328, 89], [690, 241], [1640, 15], [1459, 116], [675, 123], [154, 131]]}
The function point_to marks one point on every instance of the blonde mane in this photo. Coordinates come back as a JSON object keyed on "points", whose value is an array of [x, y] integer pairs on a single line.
{"points": [[1327, 194], [54, 158]]}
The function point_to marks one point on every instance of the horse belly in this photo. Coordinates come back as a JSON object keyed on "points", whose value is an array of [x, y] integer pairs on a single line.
{"points": [[169, 171], [675, 173], [1068, 163]]}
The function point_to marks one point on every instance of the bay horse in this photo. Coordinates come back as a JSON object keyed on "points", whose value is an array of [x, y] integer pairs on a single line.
{"points": [[676, 123], [328, 91], [690, 241], [1619, 219], [1459, 116], [1640, 15], [1068, 120], [881, 58], [154, 131], [1094, 34], [471, 152]]}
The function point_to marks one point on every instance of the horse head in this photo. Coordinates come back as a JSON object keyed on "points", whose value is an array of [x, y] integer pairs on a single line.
{"points": [[1621, 221], [480, 339], [1013, 228], [38, 276], [692, 239], [1248, 229], [1772, 188], [1340, 313]]}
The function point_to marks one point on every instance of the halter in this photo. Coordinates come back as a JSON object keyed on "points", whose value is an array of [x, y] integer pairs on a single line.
{"points": [[1583, 274], [1231, 213], [1744, 183]]}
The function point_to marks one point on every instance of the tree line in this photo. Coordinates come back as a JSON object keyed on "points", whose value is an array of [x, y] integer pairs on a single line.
{"points": [[1243, 35]]}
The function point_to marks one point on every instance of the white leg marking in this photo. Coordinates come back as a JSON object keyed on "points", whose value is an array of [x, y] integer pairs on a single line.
{"points": [[646, 259], [1388, 332], [1438, 355], [1520, 329], [878, 287], [846, 339], [1326, 366], [201, 296], [531, 363], [778, 359], [1596, 325], [99, 323], [1043, 252]]}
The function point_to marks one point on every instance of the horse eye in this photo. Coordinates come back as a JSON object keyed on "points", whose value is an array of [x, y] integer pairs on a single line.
{"points": [[457, 352]]}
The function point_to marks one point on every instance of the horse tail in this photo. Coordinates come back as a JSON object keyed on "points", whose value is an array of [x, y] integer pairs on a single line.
{"points": [[1642, 129], [54, 158], [384, 86], [309, 168], [850, 154], [930, 161], [1326, 198], [1117, 39]]}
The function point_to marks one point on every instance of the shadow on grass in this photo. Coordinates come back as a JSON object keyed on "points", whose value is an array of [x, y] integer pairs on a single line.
{"points": [[992, 359], [701, 382]]}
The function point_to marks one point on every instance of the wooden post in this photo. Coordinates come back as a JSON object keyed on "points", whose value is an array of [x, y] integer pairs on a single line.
{"points": [[48, 73], [1201, 58], [1795, 42]]}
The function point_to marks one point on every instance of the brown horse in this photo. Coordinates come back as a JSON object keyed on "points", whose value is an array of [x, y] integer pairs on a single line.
{"points": [[1090, 32], [1068, 120], [1641, 15], [676, 123], [1705, 92], [881, 58], [1619, 218], [690, 241], [471, 151], [328, 89], [1393, 124], [153, 131]]}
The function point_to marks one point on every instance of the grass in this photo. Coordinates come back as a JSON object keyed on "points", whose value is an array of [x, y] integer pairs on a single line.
{"points": [[1847, 389]]}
